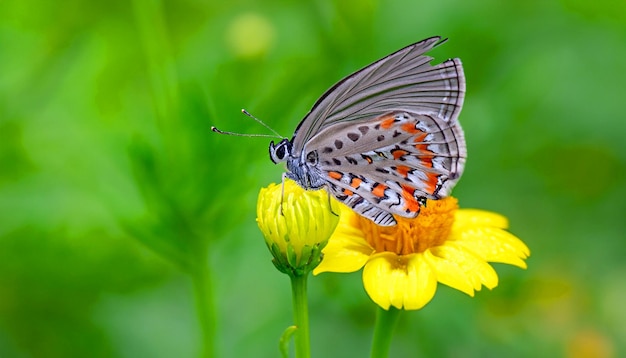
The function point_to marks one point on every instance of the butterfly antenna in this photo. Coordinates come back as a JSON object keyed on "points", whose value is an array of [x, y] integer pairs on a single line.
{"points": [[216, 130], [276, 135], [243, 110]]}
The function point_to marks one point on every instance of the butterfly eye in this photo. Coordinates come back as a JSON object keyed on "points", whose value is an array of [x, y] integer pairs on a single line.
{"points": [[311, 158], [279, 152]]}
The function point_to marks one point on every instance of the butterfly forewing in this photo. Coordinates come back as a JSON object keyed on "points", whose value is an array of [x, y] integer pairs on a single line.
{"points": [[429, 90], [404, 80]]}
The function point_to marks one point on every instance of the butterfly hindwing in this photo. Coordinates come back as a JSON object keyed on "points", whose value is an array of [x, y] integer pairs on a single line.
{"points": [[362, 206], [405, 151], [375, 201]]}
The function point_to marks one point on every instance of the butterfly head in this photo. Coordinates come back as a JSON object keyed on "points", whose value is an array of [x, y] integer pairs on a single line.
{"points": [[281, 151]]}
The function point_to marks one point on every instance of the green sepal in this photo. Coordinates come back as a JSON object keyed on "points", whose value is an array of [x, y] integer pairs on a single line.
{"points": [[279, 260], [296, 264], [292, 256]]}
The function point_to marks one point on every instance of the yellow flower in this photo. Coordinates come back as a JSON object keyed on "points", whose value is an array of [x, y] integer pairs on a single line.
{"points": [[403, 263], [296, 224]]}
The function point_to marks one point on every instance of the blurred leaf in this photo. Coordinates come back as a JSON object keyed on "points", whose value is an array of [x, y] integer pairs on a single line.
{"points": [[14, 160], [51, 282]]}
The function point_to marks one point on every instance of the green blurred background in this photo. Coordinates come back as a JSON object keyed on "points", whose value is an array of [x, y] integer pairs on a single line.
{"points": [[123, 219]]}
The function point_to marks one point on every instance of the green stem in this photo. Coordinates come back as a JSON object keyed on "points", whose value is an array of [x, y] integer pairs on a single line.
{"points": [[301, 315], [205, 306], [383, 331]]}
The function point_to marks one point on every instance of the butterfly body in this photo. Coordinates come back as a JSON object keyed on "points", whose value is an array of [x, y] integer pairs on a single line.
{"points": [[384, 139]]}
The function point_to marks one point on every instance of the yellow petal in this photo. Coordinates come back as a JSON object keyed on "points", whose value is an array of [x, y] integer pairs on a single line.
{"points": [[476, 217], [448, 272], [422, 283], [399, 281], [461, 269], [346, 250], [493, 245]]}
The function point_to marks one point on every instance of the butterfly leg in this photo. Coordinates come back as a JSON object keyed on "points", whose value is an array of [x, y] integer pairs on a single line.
{"points": [[282, 192], [330, 204]]}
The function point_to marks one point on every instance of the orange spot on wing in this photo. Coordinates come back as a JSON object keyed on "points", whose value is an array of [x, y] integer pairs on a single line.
{"points": [[387, 122], [410, 128], [412, 204], [425, 155], [355, 182], [403, 170], [431, 184], [419, 142], [423, 148], [398, 153], [335, 175], [379, 190], [427, 161], [369, 159], [348, 192], [421, 137]]}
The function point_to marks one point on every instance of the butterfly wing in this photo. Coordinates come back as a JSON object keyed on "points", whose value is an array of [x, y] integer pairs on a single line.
{"points": [[402, 81], [388, 164], [387, 136]]}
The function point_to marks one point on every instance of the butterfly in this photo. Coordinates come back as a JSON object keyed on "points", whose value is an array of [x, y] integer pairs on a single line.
{"points": [[385, 138]]}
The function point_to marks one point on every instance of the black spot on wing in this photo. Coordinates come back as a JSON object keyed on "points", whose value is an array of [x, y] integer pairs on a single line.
{"points": [[353, 136], [367, 158]]}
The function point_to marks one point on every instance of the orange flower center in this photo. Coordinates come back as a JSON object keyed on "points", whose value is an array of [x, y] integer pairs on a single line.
{"points": [[430, 228]]}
